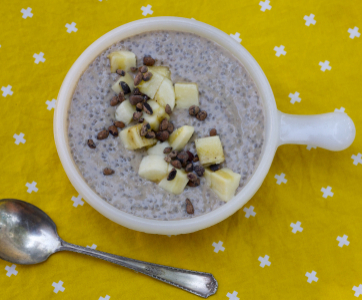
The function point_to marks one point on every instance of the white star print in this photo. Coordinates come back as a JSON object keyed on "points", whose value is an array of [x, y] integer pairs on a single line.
{"points": [[357, 159], [311, 277], [94, 246], [357, 290], [327, 192], [294, 97], [71, 27], [19, 138], [340, 110], [309, 20], [249, 211], [236, 37], [105, 298], [77, 201], [264, 261], [342, 241], [279, 50], [296, 227], [31, 187], [232, 296], [353, 32], [265, 5], [280, 178], [39, 57], [325, 66], [7, 90], [26, 13], [146, 10], [11, 270], [51, 104], [218, 247], [58, 287]]}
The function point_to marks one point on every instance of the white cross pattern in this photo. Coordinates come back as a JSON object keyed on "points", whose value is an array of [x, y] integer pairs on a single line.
{"points": [[147, 10], [264, 261], [31, 187], [309, 20], [280, 178], [309, 147], [39, 57], [265, 5], [296, 227], [7, 90], [353, 32], [357, 159], [236, 37], [94, 246], [58, 287], [11, 270], [218, 246], [279, 50], [232, 296], [357, 290], [342, 241], [327, 192], [71, 27], [340, 110], [325, 66], [105, 298], [311, 276], [294, 97], [26, 12], [51, 104], [19, 138], [249, 211], [77, 201]]}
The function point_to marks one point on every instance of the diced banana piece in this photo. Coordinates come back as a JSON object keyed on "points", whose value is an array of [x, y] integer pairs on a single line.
{"points": [[164, 71], [158, 115], [223, 182], [127, 79], [150, 87], [124, 60], [177, 185], [124, 112], [179, 138], [158, 149], [166, 94], [209, 150], [153, 167], [132, 139], [187, 94]]}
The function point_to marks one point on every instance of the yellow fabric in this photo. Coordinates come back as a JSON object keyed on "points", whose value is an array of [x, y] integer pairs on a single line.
{"points": [[269, 232]]}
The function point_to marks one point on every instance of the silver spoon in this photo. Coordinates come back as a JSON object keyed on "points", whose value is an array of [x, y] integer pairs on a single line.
{"points": [[28, 236]]}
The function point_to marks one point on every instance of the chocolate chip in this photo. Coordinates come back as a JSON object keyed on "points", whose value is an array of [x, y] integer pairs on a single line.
{"points": [[120, 72], [199, 170], [170, 127], [191, 156], [147, 108], [189, 167], [141, 120], [163, 124], [168, 109], [172, 174], [148, 61], [215, 167], [173, 154], [189, 207], [121, 97], [136, 91], [176, 164], [103, 135], [139, 106], [125, 87], [145, 128], [194, 184], [113, 130], [134, 99], [119, 124], [137, 115], [213, 132], [167, 159], [192, 177], [182, 157], [147, 76], [201, 115], [91, 144], [162, 136], [134, 69], [143, 69], [150, 135], [194, 110], [196, 158], [114, 101], [138, 78], [108, 171], [167, 150]]}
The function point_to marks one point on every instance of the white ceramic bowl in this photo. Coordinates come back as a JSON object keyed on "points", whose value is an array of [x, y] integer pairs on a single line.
{"points": [[333, 131]]}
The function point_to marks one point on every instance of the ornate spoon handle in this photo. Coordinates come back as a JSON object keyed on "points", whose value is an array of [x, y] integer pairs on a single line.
{"points": [[198, 283]]}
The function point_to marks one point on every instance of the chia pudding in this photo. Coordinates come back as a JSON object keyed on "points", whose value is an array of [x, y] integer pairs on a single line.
{"points": [[226, 92]]}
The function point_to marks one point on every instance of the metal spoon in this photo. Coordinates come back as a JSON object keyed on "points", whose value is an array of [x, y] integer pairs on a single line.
{"points": [[29, 236]]}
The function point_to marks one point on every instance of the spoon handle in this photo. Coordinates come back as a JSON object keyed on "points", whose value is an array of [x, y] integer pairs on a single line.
{"points": [[198, 283]]}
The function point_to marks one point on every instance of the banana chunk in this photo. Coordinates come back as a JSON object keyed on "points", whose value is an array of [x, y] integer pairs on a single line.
{"points": [[223, 182], [179, 138], [127, 79], [164, 71], [124, 60], [124, 112], [177, 185], [187, 94], [158, 149], [132, 139], [209, 150], [166, 94], [153, 167], [158, 115], [150, 87]]}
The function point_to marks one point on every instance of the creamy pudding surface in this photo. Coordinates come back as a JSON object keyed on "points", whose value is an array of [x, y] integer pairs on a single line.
{"points": [[226, 92]]}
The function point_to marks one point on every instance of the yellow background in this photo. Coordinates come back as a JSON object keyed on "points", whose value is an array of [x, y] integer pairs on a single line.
{"points": [[276, 206]]}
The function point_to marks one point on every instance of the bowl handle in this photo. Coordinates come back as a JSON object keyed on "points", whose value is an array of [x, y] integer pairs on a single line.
{"points": [[332, 131]]}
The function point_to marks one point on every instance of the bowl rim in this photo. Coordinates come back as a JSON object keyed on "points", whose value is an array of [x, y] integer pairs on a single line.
{"points": [[172, 227]]}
